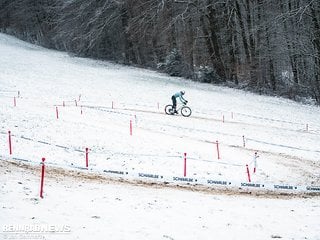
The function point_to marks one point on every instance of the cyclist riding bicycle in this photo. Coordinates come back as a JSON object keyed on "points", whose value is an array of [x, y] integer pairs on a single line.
{"points": [[174, 99]]}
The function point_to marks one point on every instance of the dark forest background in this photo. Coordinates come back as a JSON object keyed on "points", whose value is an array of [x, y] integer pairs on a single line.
{"points": [[266, 46]]}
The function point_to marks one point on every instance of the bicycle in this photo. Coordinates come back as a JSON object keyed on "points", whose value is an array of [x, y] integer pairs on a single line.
{"points": [[183, 109]]}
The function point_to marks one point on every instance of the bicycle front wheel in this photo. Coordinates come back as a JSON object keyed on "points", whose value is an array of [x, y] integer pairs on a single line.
{"points": [[186, 111]]}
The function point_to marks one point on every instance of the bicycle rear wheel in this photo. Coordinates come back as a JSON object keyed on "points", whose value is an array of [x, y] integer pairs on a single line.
{"points": [[169, 109], [186, 111]]}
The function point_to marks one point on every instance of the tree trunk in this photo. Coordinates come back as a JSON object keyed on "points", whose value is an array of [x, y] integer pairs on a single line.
{"points": [[214, 29]]}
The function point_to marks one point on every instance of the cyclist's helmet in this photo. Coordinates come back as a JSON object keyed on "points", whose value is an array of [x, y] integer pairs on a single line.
{"points": [[182, 92]]}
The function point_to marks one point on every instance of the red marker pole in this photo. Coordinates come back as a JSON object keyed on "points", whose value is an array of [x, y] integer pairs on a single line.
{"points": [[130, 127], [185, 165], [10, 145], [244, 141], [248, 173], [255, 162], [218, 152], [87, 157], [57, 113], [42, 177]]}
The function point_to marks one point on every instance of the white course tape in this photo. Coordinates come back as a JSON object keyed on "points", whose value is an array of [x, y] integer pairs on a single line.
{"points": [[154, 177], [180, 180]]}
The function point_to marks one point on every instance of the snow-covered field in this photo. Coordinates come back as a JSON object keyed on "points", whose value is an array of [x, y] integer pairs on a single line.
{"points": [[96, 101]]}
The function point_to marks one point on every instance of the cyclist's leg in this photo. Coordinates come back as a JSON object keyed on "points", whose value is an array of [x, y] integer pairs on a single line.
{"points": [[174, 103]]}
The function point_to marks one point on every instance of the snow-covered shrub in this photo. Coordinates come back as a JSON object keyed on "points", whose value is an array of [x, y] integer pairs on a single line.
{"points": [[208, 75], [174, 65]]}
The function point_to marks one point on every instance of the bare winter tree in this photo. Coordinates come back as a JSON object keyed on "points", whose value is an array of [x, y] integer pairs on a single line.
{"points": [[91, 28], [268, 46], [31, 20]]}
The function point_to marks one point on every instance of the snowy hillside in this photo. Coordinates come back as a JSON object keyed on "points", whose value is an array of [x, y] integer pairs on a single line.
{"points": [[55, 106]]}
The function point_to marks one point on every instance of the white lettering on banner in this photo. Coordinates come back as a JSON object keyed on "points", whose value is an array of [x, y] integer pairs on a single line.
{"points": [[313, 188], [183, 179], [256, 185], [217, 182], [148, 175], [115, 172], [286, 187]]}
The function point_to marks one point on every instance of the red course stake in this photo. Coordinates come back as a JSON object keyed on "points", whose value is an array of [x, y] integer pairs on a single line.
{"points": [[255, 162], [10, 145], [218, 152], [87, 158], [42, 177], [248, 173], [130, 127], [244, 141], [57, 113], [185, 165]]}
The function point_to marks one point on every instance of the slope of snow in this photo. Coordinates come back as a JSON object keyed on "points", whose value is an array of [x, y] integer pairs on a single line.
{"points": [[101, 99]]}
